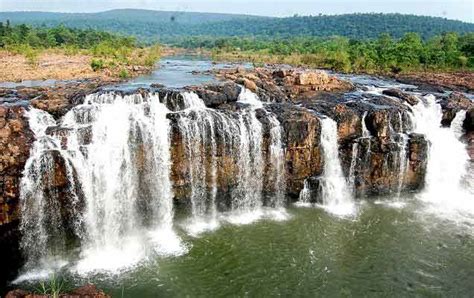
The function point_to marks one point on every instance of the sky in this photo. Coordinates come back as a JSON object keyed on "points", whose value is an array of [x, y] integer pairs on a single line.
{"points": [[451, 9]]}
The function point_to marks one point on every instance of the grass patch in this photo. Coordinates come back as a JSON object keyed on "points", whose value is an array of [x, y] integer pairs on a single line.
{"points": [[53, 287], [25, 50]]}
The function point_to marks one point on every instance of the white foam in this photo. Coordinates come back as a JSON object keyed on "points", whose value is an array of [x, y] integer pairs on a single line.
{"points": [[248, 97], [446, 193], [111, 259], [197, 226], [165, 242]]}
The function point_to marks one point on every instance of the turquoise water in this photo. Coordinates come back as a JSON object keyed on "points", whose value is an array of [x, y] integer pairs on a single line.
{"points": [[382, 252]]}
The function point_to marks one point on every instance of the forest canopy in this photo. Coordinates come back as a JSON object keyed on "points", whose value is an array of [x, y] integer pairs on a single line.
{"points": [[166, 27], [449, 51]]}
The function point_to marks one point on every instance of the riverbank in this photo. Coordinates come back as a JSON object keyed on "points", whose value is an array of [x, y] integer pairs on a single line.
{"points": [[441, 80], [455, 81], [60, 64]]}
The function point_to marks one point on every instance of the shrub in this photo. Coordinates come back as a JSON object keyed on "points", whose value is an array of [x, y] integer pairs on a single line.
{"points": [[97, 64], [123, 73]]}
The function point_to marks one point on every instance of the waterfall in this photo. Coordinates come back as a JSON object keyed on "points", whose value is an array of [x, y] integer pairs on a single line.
{"points": [[365, 131], [402, 155], [44, 231], [336, 195], [115, 198], [198, 132], [248, 97], [356, 153], [352, 168], [240, 136], [117, 161], [456, 124], [305, 194], [247, 196], [277, 162], [446, 192]]}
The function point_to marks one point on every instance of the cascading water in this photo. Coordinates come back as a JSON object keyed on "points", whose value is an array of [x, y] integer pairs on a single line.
{"points": [[336, 195], [446, 190], [240, 136], [199, 138], [352, 168], [248, 194], [44, 232], [118, 147], [402, 155], [277, 161], [365, 131], [356, 161], [115, 151], [304, 198]]}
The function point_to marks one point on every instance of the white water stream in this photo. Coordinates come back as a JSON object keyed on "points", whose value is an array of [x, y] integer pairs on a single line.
{"points": [[336, 194], [447, 191]]}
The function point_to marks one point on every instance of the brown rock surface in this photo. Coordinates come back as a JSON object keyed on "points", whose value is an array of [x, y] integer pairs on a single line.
{"points": [[15, 143], [87, 291], [285, 84]]}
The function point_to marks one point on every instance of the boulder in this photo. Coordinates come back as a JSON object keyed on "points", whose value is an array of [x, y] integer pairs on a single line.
{"points": [[410, 99], [453, 104], [312, 78]]}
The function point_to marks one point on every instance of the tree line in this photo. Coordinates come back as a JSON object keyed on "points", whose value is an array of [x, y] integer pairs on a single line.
{"points": [[59, 36], [166, 27], [448, 51]]}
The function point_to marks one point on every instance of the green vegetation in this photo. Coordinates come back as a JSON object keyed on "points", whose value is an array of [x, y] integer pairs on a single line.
{"points": [[108, 51], [54, 287], [373, 43], [449, 51], [171, 27], [60, 36], [123, 74], [97, 64]]}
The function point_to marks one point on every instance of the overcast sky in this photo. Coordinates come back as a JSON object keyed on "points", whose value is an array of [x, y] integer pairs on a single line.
{"points": [[452, 9]]}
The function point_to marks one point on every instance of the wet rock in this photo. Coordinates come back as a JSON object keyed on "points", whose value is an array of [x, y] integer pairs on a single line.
{"points": [[453, 104], [439, 82], [418, 148], [87, 291], [468, 123], [410, 99], [157, 85], [15, 142], [285, 84], [303, 149], [217, 94], [250, 85]]}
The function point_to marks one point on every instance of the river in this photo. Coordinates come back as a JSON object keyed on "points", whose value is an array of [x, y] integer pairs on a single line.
{"points": [[397, 246]]}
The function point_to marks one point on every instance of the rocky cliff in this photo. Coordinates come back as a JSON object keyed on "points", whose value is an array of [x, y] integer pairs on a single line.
{"points": [[374, 131]]}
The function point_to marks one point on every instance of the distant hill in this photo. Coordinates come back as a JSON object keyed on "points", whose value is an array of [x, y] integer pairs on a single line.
{"points": [[149, 25]]}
